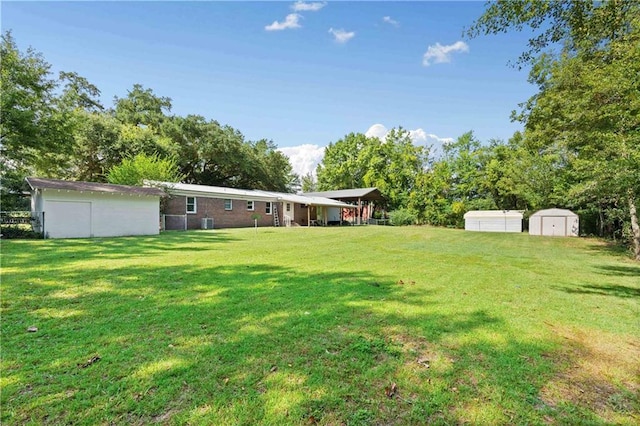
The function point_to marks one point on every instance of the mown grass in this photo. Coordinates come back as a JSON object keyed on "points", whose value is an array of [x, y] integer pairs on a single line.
{"points": [[314, 326]]}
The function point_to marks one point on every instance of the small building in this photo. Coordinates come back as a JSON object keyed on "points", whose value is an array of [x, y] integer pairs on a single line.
{"points": [[65, 209], [554, 223], [191, 206], [493, 221]]}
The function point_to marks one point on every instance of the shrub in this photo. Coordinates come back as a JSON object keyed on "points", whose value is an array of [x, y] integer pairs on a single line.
{"points": [[402, 217], [10, 232]]}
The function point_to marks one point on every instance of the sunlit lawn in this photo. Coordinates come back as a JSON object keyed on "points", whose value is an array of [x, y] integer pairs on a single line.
{"points": [[356, 325]]}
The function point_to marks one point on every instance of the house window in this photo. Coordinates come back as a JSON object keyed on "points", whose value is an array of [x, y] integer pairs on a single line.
{"points": [[288, 207], [268, 207], [228, 204], [250, 205], [191, 204]]}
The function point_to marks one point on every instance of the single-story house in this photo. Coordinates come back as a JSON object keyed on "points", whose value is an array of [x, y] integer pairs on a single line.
{"points": [[493, 221], [362, 198], [190, 206], [555, 223], [64, 209]]}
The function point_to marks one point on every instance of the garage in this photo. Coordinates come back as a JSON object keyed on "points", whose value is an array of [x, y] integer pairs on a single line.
{"points": [[66, 209], [554, 223]]}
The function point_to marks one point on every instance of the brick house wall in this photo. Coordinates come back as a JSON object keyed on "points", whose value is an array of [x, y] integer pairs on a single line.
{"points": [[238, 217]]}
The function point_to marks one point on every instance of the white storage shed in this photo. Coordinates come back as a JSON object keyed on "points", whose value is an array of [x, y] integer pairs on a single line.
{"points": [[67, 209], [493, 221], [554, 223]]}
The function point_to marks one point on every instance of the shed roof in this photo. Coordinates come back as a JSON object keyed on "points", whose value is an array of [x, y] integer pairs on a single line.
{"points": [[554, 212], [493, 213], [58, 184], [369, 194]]}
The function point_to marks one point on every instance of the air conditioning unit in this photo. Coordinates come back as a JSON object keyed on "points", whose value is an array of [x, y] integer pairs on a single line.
{"points": [[207, 223]]}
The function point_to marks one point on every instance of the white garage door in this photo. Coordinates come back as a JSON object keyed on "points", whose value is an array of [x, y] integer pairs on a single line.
{"points": [[67, 219]]}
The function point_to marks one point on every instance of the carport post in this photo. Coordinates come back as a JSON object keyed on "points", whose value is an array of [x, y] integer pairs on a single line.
{"points": [[308, 216]]}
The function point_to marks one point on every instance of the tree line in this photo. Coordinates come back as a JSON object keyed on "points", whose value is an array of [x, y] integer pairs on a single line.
{"points": [[56, 126], [580, 148]]}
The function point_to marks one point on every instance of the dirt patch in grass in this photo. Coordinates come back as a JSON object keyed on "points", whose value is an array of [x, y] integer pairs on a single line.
{"points": [[599, 372]]}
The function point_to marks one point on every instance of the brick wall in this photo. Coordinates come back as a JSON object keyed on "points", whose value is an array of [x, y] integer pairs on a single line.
{"points": [[238, 217]]}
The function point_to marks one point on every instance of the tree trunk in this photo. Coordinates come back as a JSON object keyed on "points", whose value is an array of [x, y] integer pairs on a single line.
{"points": [[635, 228]]}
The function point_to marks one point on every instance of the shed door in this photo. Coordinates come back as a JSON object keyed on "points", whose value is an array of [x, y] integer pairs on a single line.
{"points": [[554, 226], [67, 219]]}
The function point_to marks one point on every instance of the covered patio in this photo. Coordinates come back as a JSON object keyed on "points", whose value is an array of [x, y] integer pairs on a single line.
{"points": [[310, 210], [361, 198]]}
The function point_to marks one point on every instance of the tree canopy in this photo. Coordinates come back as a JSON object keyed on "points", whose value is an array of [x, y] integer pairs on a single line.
{"points": [[57, 127]]}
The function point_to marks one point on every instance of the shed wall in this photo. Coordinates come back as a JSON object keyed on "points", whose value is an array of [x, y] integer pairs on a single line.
{"points": [[493, 224]]}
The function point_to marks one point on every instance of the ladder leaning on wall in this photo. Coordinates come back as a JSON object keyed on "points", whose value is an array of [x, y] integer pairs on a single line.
{"points": [[276, 219]]}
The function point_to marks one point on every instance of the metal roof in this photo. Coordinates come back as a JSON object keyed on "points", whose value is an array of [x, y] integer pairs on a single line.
{"points": [[215, 191], [370, 194], [309, 200], [247, 194], [57, 184], [554, 212], [494, 213]]}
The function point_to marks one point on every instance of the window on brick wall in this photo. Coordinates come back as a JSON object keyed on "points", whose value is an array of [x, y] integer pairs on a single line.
{"points": [[228, 204], [269, 207], [191, 205], [250, 205]]}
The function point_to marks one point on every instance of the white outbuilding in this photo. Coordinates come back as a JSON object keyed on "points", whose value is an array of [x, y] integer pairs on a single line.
{"points": [[554, 223], [493, 221], [65, 209]]}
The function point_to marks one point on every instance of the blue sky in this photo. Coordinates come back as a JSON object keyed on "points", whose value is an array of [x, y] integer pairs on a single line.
{"points": [[300, 74]]}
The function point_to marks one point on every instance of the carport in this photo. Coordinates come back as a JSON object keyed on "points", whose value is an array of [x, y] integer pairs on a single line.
{"points": [[356, 195]]}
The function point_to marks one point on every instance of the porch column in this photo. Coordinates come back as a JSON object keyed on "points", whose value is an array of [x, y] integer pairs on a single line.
{"points": [[359, 210], [308, 216]]}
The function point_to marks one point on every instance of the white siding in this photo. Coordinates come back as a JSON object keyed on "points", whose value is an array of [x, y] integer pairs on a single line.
{"points": [[493, 221], [73, 214], [67, 219]]}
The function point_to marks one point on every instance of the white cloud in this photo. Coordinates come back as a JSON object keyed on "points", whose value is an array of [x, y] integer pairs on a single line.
{"points": [[377, 131], [342, 36], [438, 53], [301, 6], [304, 158], [418, 137], [391, 21], [291, 21]]}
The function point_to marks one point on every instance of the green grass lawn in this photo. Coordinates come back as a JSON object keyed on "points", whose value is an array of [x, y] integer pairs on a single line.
{"points": [[355, 325]]}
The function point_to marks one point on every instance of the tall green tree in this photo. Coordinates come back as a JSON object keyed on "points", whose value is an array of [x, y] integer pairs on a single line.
{"points": [[142, 107], [357, 161], [31, 133], [342, 166], [34, 137]]}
